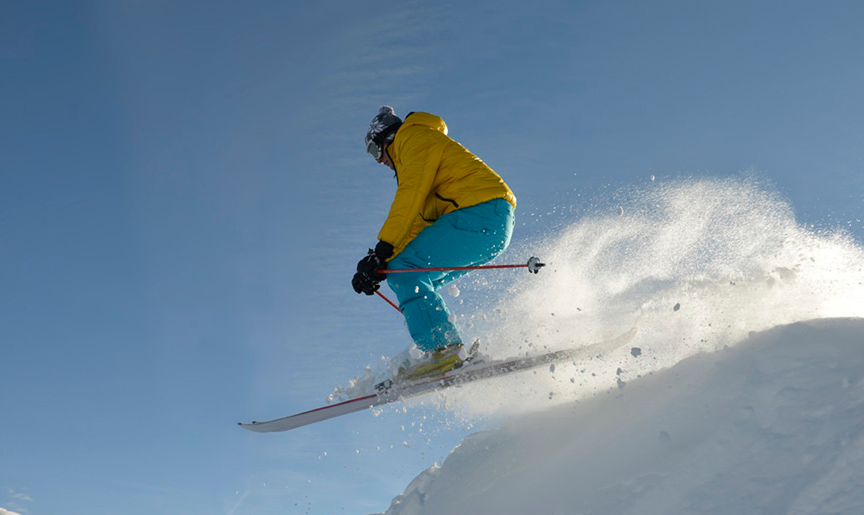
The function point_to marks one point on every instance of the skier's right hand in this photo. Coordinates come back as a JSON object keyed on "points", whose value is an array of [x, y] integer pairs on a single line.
{"points": [[368, 276], [364, 284]]}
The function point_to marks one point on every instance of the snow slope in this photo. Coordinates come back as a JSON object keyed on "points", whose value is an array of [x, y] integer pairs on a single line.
{"points": [[773, 425]]}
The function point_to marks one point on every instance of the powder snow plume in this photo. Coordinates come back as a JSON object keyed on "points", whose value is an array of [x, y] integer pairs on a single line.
{"points": [[694, 266]]}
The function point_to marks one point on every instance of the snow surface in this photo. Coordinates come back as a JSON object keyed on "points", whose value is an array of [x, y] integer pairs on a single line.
{"points": [[773, 425], [741, 392]]}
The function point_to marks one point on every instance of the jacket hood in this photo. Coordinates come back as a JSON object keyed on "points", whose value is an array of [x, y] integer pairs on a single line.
{"points": [[424, 120]]}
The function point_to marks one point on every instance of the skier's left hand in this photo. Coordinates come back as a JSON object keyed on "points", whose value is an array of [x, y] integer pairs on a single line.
{"points": [[370, 265]]}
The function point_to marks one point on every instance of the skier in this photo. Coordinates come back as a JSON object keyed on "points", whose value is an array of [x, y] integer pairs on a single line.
{"points": [[450, 210]]}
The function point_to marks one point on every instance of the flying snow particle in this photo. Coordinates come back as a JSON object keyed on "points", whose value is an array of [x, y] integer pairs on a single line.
{"points": [[453, 290], [620, 211], [677, 307]]}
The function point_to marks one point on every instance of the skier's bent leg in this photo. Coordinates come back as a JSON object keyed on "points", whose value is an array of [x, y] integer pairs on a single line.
{"points": [[467, 237], [425, 312]]}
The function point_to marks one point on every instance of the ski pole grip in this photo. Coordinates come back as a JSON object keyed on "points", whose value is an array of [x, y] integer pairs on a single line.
{"points": [[534, 265]]}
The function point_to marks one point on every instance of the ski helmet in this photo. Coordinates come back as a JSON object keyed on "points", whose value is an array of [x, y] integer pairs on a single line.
{"points": [[382, 130]]}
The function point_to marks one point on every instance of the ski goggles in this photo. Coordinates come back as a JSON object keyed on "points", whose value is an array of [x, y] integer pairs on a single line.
{"points": [[374, 149]]}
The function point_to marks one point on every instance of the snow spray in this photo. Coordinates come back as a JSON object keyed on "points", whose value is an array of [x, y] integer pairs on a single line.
{"points": [[694, 265]]}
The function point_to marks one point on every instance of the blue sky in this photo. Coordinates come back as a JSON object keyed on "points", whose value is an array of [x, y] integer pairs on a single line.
{"points": [[184, 195]]}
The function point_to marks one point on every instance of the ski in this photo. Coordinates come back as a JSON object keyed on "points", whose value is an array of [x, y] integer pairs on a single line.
{"points": [[475, 371]]}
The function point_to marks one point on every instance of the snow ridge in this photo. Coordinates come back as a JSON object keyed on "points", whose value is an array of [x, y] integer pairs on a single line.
{"points": [[772, 425]]}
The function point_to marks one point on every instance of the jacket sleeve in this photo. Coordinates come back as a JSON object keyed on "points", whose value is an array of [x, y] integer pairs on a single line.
{"points": [[419, 164]]}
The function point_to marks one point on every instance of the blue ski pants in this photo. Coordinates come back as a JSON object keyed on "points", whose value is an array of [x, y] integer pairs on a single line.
{"points": [[465, 237]]}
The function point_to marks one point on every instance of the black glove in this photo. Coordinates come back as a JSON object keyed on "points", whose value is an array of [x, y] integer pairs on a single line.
{"points": [[367, 278], [369, 266], [384, 250], [363, 284]]}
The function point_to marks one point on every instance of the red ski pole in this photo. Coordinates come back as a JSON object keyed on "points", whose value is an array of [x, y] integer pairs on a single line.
{"points": [[534, 265], [387, 300]]}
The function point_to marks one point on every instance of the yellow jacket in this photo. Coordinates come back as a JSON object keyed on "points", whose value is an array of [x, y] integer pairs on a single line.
{"points": [[436, 175]]}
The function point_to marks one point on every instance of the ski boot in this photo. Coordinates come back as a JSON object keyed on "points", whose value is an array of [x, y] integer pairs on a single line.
{"points": [[439, 362], [431, 364]]}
